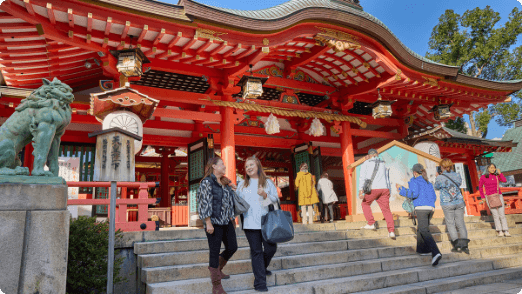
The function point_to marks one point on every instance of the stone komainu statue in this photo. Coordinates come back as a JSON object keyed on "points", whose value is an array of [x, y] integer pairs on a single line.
{"points": [[41, 118]]}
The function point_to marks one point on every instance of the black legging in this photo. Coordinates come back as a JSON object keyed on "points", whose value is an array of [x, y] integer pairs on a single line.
{"points": [[425, 241], [329, 207], [225, 234]]}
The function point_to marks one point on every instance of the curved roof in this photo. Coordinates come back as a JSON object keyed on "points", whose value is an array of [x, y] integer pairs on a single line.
{"points": [[292, 12]]}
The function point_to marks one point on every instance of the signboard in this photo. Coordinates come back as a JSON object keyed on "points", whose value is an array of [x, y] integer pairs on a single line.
{"points": [[459, 168], [69, 170]]}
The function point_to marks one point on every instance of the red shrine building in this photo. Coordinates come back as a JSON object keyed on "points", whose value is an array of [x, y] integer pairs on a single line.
{"points": [[317, 81]]}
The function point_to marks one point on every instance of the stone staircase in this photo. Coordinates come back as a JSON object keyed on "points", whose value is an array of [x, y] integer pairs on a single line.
{"points": [[339, 258]]}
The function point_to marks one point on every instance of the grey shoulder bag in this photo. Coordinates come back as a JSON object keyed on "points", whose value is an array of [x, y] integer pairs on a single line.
{"points": [[367, 187], [240, 204]]}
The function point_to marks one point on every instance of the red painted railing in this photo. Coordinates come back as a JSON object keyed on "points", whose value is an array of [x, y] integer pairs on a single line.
{"points": [[475, 203], [142, 223]]}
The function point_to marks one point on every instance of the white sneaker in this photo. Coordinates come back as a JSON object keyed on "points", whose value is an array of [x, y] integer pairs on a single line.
{"points": [[436, 259], [368, 227], [507, 234], [500, 234], [392, 235], [425, 254]]}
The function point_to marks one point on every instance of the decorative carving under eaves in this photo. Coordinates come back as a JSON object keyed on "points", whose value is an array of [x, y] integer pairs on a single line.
{"points": [[431, 81], [303, 77], [337, 40], [273, 71], [252, 121], [208, 34]]}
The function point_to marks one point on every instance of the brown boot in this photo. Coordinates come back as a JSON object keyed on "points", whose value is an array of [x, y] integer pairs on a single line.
{"points": [[222, 263], [215, 277]]}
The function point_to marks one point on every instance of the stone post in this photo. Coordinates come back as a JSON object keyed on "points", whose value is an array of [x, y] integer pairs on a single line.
{"points": [[34, 234]]}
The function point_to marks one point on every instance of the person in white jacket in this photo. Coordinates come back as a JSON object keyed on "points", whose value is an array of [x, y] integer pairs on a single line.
{"points": [[259, 192], [328, 196]]}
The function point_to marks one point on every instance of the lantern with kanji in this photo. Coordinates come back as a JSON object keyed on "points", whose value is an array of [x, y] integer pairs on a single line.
{"points": [[381, 108], [442, 111], [251, 86], [130, 61]]}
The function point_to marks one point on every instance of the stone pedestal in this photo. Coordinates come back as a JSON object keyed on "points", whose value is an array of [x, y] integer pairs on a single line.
{"points": [[34, 235]]}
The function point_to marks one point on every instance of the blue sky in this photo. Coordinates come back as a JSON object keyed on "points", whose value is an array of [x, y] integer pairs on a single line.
{"points": [[411, 20]]}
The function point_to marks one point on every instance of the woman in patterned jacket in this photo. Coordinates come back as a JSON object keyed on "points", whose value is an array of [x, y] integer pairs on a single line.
{"points": [[216, 210]]}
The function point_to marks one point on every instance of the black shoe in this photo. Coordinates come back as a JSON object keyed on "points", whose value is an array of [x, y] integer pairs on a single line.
{"points": [[454, 245], [262, 290], [268, 273]]}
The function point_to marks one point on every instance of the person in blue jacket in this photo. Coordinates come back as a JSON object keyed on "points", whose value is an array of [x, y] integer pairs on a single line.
{"points": [[423, 195]]}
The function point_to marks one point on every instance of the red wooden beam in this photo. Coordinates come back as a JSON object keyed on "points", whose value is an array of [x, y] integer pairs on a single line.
{"points": [[204, 46], [6, 45], [143, 33], [185, 114], [29, 7], [89, 22], [245, 63], [158, 37], [108, 26], [70, 17], [125, 30], [305, 58]]}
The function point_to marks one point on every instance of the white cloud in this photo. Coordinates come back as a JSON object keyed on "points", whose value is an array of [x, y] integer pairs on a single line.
{"points": [[499, 139], [520, 1]]}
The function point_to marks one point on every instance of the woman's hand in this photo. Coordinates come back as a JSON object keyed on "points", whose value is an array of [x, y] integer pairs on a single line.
{"points": [[398, 186], [261, 192], [361, 195], [498, 171], [234, 187], [210, 228]]}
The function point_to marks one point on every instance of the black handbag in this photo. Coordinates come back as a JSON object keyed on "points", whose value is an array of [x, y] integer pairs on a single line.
{"points": [[277, 225], [367, 187]]}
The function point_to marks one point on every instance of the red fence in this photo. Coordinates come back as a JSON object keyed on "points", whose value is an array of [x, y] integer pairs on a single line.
{"points": [[512, 198], [142, 223]]}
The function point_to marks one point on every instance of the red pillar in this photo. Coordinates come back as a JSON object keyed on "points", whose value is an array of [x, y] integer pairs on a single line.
{"points": [[164, 184], [28, 157], [473, 174], [347, 156], [228, 144]]}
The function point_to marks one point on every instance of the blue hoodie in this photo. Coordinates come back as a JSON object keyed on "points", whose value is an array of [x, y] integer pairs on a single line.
{"points": [[420, 191]]}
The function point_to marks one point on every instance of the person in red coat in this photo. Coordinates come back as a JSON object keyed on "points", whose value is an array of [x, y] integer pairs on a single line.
{"points": [[490, 184]]}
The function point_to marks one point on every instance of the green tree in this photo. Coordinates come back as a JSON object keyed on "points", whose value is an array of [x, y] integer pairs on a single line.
{"points": [[485, 49], [457, 124]]}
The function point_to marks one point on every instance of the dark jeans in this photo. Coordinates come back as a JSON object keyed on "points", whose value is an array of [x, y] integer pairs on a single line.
{"points": [[425, 241], [260, 258], [328, 207], [225, 234]]}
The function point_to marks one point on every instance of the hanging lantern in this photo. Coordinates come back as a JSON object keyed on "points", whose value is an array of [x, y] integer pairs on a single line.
{"points": [[272, 125], [317, 129], [252, 86], [442, 111], [381, 108], [130, 61], [484, 161]]}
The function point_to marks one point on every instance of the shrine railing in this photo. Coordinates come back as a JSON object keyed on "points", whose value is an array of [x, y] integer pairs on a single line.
{"points": [[476, 205], [142, 223]]}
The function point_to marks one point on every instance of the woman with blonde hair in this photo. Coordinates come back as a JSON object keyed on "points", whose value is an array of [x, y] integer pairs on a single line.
{"points": [[259, 192], [216, 210], [452, 203], [305, 182]]}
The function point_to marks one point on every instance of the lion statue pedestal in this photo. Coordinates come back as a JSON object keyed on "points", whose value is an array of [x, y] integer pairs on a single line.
{"points": [[41, 119]]}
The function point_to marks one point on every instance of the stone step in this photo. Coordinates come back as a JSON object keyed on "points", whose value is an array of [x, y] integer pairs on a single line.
{"points": [[483, 283], [201, 244], [343, 278], [386, 258], [289, 249]]}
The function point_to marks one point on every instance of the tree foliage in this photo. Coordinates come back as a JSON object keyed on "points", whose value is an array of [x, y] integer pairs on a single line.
{"points": [[483, 48], [458, 125], [87, 257], [482, 119]]}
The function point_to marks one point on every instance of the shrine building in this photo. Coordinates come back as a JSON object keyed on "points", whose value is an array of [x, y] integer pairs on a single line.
{"points": [[317, 81]]}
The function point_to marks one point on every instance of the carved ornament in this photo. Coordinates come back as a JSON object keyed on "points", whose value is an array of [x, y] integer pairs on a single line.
{"points": [[208, 34], [430, 81], [337, 40]]}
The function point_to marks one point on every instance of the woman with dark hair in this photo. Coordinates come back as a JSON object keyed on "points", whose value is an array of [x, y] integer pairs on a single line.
{"points": [[423, 195], [452, 203], [325, 186], [489, 185], [216, 210], [259, 192]]}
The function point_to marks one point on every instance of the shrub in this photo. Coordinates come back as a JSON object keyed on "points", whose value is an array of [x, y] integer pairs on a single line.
{"points": [[87, 258]]}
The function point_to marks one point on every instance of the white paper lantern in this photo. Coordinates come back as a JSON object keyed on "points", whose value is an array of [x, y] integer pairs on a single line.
{"points": [[272, 125], [317, 129]]}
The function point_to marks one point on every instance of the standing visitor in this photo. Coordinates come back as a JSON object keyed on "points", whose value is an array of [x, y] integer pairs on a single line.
{"points": [[452, 203], [305, 182], [423, 195], [374, 171], [489, 185], [216, 210], [259, 192], [325, 186]]}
